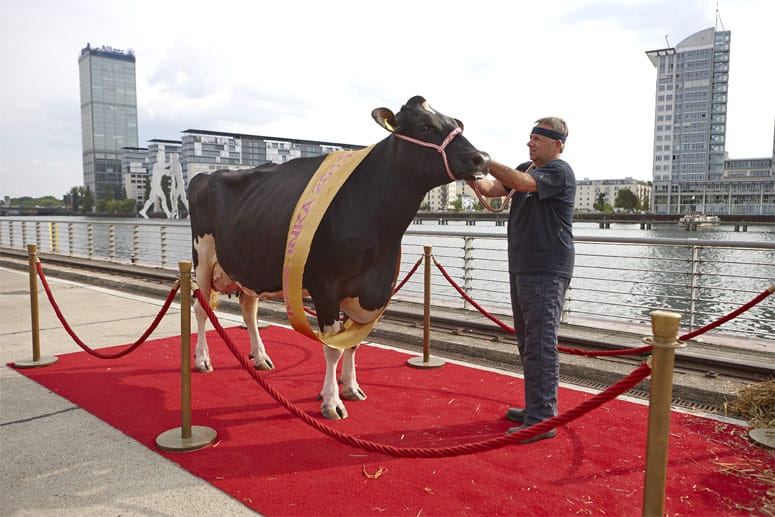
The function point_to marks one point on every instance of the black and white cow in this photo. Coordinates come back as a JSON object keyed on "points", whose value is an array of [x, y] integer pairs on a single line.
{"points": [[240, 221]]}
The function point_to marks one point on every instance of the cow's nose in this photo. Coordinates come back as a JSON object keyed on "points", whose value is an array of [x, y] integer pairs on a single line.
{"points": [[481, 161]]}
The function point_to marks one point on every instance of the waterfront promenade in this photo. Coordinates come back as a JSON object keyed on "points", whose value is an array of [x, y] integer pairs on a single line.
{"points": [[60, 460]]}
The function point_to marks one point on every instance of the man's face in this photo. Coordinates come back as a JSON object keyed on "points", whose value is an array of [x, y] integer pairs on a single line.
{"points": [[542, 148]]}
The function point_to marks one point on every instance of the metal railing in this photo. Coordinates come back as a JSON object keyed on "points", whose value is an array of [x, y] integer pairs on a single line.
{"points": [[615, 278]]}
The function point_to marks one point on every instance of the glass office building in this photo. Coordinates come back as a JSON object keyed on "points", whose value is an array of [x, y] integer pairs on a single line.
{"points": [[690, 120], [691, 170], [108, 117]]}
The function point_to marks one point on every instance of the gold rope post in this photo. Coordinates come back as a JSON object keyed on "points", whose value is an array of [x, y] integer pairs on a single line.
{"points": [[664, 326], [186, 437], [427, 361], [37, 360]]}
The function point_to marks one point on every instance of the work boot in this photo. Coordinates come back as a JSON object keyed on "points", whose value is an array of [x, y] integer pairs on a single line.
{"points": [[551, 433], [515, 414]]}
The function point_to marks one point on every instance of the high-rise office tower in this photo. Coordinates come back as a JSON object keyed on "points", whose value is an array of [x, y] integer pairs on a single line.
{"points": [[108, 116], [690, 123]]}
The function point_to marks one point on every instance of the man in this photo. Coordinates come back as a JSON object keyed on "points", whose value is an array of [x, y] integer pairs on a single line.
{"points": [[541, 257]]}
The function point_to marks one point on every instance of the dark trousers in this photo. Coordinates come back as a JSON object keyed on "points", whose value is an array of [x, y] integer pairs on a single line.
{"points": [[536, 301]]}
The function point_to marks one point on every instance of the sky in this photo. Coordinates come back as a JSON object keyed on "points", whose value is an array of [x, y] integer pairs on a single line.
{"points": [[315, 70]]}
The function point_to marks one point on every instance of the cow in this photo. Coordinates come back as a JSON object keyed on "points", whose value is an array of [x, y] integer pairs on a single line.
{"points": [[240, 221]]}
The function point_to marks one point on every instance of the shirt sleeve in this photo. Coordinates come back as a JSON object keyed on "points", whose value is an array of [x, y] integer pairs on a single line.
{"points": [[550, 179]]}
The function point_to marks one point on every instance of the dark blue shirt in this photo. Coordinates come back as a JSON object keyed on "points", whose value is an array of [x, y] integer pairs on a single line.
{"points": [[540, 231]]}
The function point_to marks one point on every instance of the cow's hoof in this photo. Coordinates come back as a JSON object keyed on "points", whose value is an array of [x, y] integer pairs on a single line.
{"points": [[333, 412], [353, 394], [266, 364], [205, 367]]}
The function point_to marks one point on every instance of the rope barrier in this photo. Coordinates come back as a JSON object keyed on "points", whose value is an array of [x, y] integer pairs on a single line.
{"points": [[470, 300], [83, 345], [638, 350], [510, 330], [612, 392], [408, 275], [761, 296]]}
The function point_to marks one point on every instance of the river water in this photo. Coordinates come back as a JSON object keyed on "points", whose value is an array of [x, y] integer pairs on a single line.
{"points": [[611, 281]]}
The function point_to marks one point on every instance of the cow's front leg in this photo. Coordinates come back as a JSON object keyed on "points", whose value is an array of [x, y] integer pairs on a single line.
{"points": [[350, 388], [249, 306], [332, 406]]}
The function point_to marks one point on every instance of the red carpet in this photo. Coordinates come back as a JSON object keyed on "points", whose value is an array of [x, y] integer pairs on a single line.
{"points": [[278, 465]]}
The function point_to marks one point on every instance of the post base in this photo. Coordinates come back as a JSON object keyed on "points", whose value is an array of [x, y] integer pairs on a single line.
{"points": [[29, 363], [432, 362], [173, 441]]}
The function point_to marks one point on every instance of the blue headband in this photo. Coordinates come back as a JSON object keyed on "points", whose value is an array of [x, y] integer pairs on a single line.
{"points": [[554, 135]]}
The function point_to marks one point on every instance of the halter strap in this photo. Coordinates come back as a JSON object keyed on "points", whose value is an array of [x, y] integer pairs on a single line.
{"points": [[440, 148]]}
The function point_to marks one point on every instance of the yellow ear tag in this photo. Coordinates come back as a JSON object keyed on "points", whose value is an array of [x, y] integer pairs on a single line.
{"points": [[387, 125]]}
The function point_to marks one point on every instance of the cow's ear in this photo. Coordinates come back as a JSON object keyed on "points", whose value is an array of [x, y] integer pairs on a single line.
{"points": [[459, 123], [385, 118]]}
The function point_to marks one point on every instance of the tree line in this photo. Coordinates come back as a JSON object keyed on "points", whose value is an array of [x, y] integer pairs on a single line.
{"points": [[80, 200]]}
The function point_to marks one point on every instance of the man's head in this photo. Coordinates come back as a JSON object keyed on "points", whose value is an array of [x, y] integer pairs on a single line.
{"points": [[547, 140]]}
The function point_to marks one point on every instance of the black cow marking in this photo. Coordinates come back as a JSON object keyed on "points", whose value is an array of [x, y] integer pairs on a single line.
{"points": [[240, 220]]}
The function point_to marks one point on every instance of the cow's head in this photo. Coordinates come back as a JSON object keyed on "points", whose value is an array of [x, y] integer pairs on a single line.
{"points": [[419, 124]]}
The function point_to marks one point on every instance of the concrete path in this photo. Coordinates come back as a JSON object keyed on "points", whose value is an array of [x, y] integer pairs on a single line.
{"points": [[57, 459]]}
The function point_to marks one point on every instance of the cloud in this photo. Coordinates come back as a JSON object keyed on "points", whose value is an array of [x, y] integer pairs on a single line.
{"points": [[315, 70]]}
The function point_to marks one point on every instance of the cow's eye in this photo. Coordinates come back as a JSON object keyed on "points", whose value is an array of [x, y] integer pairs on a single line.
{"points": [[426, 129]]}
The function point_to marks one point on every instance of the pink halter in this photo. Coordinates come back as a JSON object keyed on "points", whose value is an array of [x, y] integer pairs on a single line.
{"points": [[440, 148]]}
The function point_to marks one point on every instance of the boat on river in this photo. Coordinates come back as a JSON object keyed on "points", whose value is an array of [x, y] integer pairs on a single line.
{"points": [[694, 221]]}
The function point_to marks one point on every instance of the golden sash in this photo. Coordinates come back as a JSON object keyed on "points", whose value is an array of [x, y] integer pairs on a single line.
{"points": [[309, 211]]}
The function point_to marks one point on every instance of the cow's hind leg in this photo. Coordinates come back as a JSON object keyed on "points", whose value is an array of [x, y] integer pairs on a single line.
{"points": [[332, 406], [249, 306], [202, 362], [350, 388], [204, 253]]}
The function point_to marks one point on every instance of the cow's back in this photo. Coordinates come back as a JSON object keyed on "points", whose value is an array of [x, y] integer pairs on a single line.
{"points": [[248, 213]]}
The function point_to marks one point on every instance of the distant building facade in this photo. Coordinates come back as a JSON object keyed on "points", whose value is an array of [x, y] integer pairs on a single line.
{"points": [[436, 199], [207, 151], [134, 170], [589, 191], [691, 171], [108, 116]]}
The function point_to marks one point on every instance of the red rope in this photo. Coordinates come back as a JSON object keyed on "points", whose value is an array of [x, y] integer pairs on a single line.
{"points": [[644, 349], [612, 392], [510, 330], [83, 345], [602, 353], [408, 275], [470, 300], [761, 296]]}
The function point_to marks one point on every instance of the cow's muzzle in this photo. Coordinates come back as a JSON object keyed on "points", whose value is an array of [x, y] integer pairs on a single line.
{"points": [[481, 163]]}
